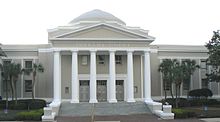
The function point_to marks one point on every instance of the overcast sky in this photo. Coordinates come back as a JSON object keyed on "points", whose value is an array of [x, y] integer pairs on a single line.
{"points": [[186, 22]]}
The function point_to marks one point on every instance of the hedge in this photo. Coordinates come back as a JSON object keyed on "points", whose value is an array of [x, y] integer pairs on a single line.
{"points": [[24, 104], [183, 102], [200, 93], [34, 115]]}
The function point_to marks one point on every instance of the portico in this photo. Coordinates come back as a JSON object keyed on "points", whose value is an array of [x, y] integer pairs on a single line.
{"points": [[111, 81]]}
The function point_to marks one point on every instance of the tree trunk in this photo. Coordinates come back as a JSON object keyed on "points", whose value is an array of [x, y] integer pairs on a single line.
{"points": [[16, 99], [6, 85], [176, 96], [164, 88], [171, 91], [33, 85], [12, 89]]}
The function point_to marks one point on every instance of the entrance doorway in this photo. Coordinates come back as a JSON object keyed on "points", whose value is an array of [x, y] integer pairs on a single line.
{"points": [[102, 90], [84, 91], [120, 90]]}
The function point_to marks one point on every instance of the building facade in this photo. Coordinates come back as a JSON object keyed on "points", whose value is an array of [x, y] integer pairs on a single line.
{"points": [[97, 58]]}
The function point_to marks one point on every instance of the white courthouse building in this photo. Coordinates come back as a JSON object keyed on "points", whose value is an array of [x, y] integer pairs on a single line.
{"points": [[97, 58]]}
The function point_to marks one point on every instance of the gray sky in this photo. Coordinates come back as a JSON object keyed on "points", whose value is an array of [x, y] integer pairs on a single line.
{"points": [[186, 22]]}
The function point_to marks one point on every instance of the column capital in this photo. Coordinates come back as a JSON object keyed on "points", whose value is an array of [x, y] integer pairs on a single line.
{"points": [[112, 50], [93, 50], [56, 50], [130, 51], [146, 51], [74, 50]]}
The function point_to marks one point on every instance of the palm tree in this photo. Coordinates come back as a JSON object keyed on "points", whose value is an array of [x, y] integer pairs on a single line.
{"points": [[36, 68], [5, 74], [166, 69], [15, 72], [178, 78]]}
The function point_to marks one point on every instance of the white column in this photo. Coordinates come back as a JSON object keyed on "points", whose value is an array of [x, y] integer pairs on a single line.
{"points": [[93, 77], [112, 85], [147, 77], [130, 78], [75, 81], [57, 78]]}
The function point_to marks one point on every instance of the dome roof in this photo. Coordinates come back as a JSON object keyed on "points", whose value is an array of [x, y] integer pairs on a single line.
{"points": [[97, 15]]}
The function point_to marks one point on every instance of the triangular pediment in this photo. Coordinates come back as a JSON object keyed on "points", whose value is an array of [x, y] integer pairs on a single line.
{"points": [[102, 31]]}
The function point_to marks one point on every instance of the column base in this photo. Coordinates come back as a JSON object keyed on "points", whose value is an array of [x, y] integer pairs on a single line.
{"points": [[112, 101], [148, 100], [131, 100], [74, 101], [93, 101], [55, 103]]}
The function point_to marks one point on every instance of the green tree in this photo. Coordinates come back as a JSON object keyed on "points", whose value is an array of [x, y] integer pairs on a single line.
{"points": [[5, 74], [213, 60], [166, 69], [176, 72], [34, 70], [14, 75]]}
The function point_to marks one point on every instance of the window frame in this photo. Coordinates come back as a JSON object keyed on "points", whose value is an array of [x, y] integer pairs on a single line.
{"points": [[26, 89], [101, 59], [118, 59], [84, 60], [25, 64]]}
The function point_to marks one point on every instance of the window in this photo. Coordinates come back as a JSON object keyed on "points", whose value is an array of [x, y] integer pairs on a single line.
{"points": [[101, 59], [135, 89], [28, 85], [102, 82], [28, 64], [118, 59], [84, 60], [204, 83], [203, 64], [67, 90], [6, 62], [186, 84]]}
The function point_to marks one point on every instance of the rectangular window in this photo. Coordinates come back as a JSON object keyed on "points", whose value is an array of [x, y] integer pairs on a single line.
{"points": [[5, 62], [67, 90], [118, 59], [28, 85], [203, 64], [28, 64], [167, 84], [84, 60], [101, 59], [186, 84], [204, 83]]}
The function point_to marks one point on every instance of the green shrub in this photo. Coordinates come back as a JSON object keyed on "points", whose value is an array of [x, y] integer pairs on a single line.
{"points": [[181, 113], [201, 102], [183, 102], [200, 93], [34, 115], [18, 106], [24, 104], [37, 104]]}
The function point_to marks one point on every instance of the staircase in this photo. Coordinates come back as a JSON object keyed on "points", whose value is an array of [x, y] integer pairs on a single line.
{"points": [[103, 109]]}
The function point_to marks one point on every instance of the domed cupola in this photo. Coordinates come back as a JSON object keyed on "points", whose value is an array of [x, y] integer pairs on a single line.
{"points": [[97, 16]]}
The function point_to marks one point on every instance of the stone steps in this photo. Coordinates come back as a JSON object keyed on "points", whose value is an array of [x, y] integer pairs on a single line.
{"points": [[103, 108]]}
